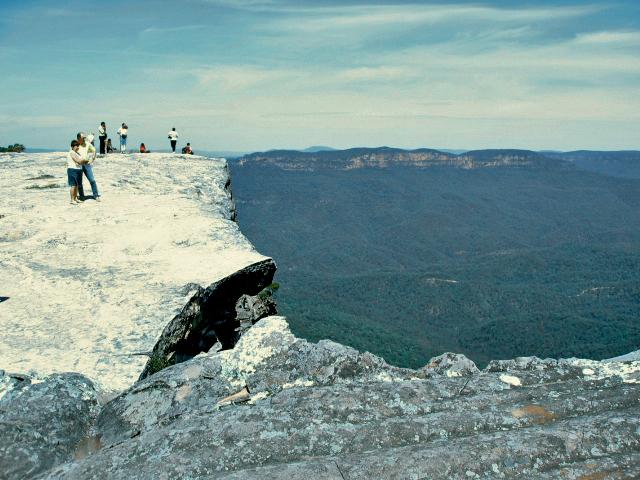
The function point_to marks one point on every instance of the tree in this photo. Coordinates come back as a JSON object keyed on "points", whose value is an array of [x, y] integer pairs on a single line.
{"points": [[16, 147]]}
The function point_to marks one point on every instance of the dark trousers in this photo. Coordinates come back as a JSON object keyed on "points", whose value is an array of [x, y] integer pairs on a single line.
{"points": [[103, 142], [173, 145]]}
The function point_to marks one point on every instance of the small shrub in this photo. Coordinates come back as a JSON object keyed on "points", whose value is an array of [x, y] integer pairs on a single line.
{"points": [[268, 291], [158, 362]]}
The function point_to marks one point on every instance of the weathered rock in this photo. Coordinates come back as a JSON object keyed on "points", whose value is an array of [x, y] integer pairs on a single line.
{"points": [[250, 309], [327, 411], [44, 424], [451, 365], [209, 317], [267, 359], [629, 357]]}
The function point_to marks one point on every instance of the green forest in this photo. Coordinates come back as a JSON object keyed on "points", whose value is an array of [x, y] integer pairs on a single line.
{"points": [[409, 263]]}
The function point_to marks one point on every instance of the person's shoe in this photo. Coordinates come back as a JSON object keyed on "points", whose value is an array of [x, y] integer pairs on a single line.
{"points": [[98, 199], [79, 200]]}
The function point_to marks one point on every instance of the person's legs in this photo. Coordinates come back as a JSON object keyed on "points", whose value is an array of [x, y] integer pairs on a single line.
{"points": [[72, 181], [79, 185], [102, 145], [173, 145], [88, 171], [123, 143]]}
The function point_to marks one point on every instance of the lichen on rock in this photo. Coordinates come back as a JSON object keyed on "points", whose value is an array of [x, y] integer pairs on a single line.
{"points": [[276, 406]]}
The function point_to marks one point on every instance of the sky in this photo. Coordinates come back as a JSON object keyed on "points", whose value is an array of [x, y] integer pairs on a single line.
{"points": [[253, 75]]}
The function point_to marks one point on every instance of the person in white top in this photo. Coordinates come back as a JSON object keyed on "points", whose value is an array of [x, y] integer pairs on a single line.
{"points": [[102, 135], [123, 131], [74, 171], [88, 153], [173, 136]]}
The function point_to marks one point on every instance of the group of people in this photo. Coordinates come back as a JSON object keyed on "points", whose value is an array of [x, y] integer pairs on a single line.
{"points": [[82, 154], [173, 139], [105, 143], [123, 132]]}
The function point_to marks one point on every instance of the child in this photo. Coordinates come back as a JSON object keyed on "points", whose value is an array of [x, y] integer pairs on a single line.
{"points": [[74, 171]]}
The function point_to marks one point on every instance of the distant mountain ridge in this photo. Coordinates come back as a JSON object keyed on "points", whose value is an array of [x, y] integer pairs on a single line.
{"points": [[623, 163], [384, 157], [319, 148]]}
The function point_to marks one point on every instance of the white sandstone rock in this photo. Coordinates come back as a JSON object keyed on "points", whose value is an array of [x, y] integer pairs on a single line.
{"points": [[91, 286]]}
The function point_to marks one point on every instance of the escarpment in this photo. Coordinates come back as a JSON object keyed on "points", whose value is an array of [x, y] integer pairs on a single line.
{"points": [[230, 393]]}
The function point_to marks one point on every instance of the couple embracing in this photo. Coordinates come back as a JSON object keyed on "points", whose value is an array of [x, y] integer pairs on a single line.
{"points": [[79, 160]]}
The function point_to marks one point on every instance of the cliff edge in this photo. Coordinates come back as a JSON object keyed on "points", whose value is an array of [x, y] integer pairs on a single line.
{"points": [[89, 288]]}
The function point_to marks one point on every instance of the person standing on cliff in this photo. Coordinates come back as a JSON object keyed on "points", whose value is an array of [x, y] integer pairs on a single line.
{"points": [[123, 131], [102, 135], [74, 171], [88, 154], [173, 136]]}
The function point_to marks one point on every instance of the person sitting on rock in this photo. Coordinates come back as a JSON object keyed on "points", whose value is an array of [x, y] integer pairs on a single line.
{"points": [[110, 148], [187, 149], [143, 149]]}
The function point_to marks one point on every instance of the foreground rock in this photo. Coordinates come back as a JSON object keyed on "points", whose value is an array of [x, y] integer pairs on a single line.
{"points": [[89, 288], [280, 407], [44, 424], [210, 317]]}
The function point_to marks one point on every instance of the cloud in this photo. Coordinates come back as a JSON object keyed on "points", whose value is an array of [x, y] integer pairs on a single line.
{"points": [[609, 38], [381, 73], [165, 30], [256, 5], [332, 18], [237, 77]]}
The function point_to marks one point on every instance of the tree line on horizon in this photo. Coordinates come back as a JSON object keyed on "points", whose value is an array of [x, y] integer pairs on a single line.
{"points": [[15, 148]]}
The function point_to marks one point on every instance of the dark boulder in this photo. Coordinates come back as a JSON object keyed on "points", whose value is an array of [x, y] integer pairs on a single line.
{"points": [[208, 318]]}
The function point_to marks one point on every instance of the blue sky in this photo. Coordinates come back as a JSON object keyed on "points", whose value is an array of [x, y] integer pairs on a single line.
{"points": [[250, 75]]}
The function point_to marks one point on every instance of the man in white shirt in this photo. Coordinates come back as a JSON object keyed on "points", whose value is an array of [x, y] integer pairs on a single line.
{"points": [[88, 153], [102, 135], [173, 136]]}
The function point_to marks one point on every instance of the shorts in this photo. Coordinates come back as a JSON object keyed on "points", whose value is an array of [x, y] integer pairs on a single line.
{"points": [[74, 176]]}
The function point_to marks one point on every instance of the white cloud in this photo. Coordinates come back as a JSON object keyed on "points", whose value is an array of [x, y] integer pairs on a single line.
{"points": [[259, 5], [332, 18], [608, 38], [380, 73], [237, 77], [164, 30]]}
